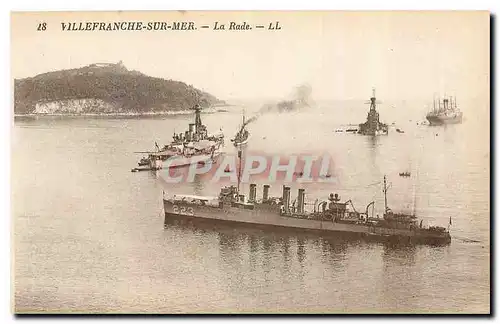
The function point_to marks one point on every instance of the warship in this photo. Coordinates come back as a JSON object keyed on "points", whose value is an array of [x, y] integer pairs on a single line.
{"points": [[373, 126], [445, 112], [195, 145], [184, 155], [328, 217]]}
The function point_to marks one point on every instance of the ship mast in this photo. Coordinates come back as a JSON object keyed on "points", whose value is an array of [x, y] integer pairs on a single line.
{"points": [[373, 100], [239, 173], [414, 199], [242, 124], [435, 110], [385, 195]]}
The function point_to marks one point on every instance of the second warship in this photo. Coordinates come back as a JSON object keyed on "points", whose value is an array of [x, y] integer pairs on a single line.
{"points": [[373, 126], [195, 145]]}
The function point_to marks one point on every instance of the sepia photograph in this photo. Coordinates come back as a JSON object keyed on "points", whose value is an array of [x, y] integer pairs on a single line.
{"points": [[250, 162]]}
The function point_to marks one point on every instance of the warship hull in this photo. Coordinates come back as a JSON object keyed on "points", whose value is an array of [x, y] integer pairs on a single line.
{"points": [[182, 161], [270, 218]]}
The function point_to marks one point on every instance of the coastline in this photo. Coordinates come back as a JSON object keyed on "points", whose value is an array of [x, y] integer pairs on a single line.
{"points": [[121, 114]]}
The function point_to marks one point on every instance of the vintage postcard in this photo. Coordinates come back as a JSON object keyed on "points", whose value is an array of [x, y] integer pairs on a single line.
{"points": [[250, 162]]}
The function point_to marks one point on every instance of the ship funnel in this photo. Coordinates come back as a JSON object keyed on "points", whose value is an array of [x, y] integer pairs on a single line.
{"points": [[286, 199], [253, 192], [191, 129], [265, 193], [300, 200]]}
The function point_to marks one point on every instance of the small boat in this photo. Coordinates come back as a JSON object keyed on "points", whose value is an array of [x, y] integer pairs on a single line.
{"points": [[242, 136], [399, 130], [147, 168], [144, 161], [404, 174]]}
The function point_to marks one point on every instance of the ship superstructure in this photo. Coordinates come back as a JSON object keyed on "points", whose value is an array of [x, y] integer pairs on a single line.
{"points": [[196, 132]]}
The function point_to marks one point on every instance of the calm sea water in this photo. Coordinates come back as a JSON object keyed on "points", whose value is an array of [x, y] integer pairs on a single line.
{"points": [[89, 234]]}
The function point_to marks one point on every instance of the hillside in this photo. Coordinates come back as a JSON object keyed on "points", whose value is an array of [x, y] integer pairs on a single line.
{"points": [[104, 88]]}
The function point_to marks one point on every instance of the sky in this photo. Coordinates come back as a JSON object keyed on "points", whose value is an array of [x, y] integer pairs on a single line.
{"points": [[341, 55]]}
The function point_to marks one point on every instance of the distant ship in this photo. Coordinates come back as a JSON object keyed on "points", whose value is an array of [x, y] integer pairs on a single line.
{"points": [[328, 217], [445, 112], [242, 136], [373, 126]]}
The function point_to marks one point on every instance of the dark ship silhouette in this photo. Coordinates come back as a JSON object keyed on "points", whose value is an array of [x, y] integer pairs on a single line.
{"points": [[373, 126]]}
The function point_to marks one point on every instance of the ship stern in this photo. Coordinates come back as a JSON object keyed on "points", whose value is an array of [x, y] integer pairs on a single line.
{"points": [[434, 120]]}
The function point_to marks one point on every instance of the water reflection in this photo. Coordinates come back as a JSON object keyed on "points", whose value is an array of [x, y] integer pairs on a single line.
{"points": [[227, 241], [198, 185], [267, 244], [333, 248], [284, 243], [372, 144], [253, 245], [301, 250], [401, 273], [400, 254]]}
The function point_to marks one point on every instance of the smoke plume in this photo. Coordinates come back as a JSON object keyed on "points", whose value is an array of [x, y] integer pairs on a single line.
{"points": [[299, 99]]}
